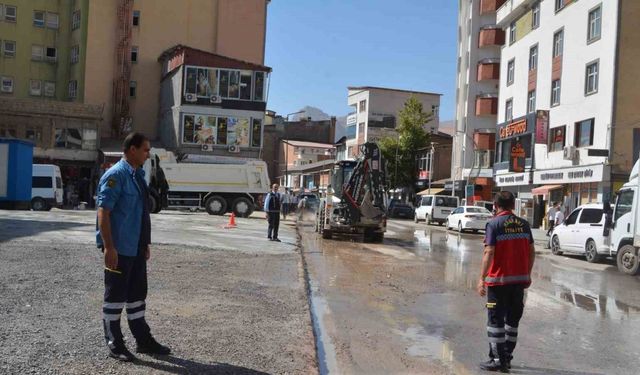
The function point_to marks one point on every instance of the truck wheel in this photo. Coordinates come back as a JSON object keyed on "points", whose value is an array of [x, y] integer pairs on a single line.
{"points": [[39, 204], [627, 260], [154, 204], [215, 205], [591, 252], [242, 207]]}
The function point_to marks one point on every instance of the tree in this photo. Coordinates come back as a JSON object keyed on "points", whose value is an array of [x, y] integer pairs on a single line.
{"points": [[401, 151]]}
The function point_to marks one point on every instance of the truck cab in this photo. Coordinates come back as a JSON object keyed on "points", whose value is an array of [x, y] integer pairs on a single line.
{"points": [[623, 225]]}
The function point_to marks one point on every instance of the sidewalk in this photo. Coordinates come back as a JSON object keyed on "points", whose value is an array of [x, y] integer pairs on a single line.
{"points": [[540, 238]]}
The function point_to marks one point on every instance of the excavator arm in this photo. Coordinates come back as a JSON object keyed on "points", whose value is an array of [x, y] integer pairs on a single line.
{"points": [[364, 193]]}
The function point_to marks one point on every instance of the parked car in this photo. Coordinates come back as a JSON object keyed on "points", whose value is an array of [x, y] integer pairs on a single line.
{"points": [[46, 187], [435, 208], [582, 232], [400, 209], [469, 218]]}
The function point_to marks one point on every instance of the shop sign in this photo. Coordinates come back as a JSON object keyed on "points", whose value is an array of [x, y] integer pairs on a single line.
{"points": [[513, 179], [590, 173], [542, 127], [513, 129], [517, 158]]}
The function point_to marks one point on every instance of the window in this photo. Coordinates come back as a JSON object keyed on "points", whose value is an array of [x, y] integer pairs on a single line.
{"points": [[623, 204], [69, 138], [512, 33], [49, 89], [52, 54], [531, 101], [7, 84], [426, 201], [75, 54], [573, 217], [246, 78], [555, 92], [595, 24], [134, 54], [38, 18], [256, 133], [533, 58], [132, 88], [511, 67], [75, 20], [53, 20], [35, 87], [136, 18], [558, 40], [37, 52], [362, 106], [556, 138], [591, 80], [508, 110], [41, 182], [234, 84], [10, 13], [560, 4], [258, 89], [591, 216], [73, 89], [584, 133], [9, 48], [33, 135], [535, 15]]}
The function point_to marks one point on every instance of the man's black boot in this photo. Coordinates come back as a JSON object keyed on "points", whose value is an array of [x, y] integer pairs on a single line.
{"points": [[120, 352], [495, 365], [151, 346]]}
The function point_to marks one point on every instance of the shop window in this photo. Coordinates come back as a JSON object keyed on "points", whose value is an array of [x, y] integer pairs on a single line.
{"points": [[70, 138], [38, 18], [9, 48], [246, 78], [8, 132], [75, 20], [584, 133], [203, 82], [35, 87], [34, 135], [557, 138], [504, 151], [256, 132]]}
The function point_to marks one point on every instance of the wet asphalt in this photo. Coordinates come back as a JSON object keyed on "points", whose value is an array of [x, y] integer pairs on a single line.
{"points": [[408, 306]]}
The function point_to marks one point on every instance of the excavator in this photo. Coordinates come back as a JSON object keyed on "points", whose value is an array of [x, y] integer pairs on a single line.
{"points": [[358, 203]]}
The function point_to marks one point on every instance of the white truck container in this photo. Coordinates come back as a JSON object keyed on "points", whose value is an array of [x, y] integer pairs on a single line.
{"points": [[233, 185]]}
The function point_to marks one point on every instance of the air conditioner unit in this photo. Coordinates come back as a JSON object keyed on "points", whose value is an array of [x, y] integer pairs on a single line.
{"points": [[207, 148], [190, 98], [215, 99], [234, 149], [569, 153]]}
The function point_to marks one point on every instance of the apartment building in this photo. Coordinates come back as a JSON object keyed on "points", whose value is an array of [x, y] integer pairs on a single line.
{"points": [[479, 44], [306, 165], [375, 114], [567, 126]]}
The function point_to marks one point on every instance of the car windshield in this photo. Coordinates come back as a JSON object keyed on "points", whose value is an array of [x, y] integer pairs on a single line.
{"points": [[478, 210]]}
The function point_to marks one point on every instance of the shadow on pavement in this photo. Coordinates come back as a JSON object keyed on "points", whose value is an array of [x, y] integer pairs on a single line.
{"points": [[175, 365], [526, 370], [11, 229]]}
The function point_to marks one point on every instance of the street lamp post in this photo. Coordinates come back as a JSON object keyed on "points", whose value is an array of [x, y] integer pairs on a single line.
{"points": [[431, 153]]}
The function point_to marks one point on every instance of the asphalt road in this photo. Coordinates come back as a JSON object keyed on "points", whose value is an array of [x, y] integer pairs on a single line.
{"points": [[408, 306]]}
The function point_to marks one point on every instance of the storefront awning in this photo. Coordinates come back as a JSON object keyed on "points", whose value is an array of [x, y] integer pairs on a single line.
{"points": [[542, 190], [432, 191]]}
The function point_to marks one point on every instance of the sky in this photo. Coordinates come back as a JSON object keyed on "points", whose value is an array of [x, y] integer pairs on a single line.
{"points": [[317, 48]]}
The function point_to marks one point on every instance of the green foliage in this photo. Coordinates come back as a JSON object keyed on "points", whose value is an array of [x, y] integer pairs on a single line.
{"points": [[402, 150]]}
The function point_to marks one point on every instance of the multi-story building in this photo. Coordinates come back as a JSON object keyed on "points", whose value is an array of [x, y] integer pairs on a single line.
{"points": [[306, 165], [376, 113], [440, 149], [568, 119], [478, 75]]}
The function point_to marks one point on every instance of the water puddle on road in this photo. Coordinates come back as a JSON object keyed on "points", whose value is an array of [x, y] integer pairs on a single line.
{"points": [[327, 361]]}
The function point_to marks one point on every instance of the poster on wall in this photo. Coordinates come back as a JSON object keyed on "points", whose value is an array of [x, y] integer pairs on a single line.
{"points": [[187, 131], [204, 85], [205, 129], [542, 127], [242, 132], [231, 130], [518, 156]]}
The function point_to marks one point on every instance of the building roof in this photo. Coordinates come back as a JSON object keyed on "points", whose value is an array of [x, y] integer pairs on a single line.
{"points": [[364, 88], [194, 56], [308, 144]]}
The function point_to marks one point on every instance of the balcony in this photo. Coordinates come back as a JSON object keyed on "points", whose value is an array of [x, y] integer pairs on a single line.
{"points": [[490, 36], [484, 141], [490, 6], [511, 10], [487, 105], [488, 70]]}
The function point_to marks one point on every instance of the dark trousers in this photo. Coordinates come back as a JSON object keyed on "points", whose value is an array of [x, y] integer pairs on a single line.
{"points": [[125, 288], [505, 305], [274, 224], [551, 225]]}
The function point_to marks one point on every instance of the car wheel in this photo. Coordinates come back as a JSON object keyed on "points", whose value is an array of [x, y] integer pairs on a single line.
{"points": [[39, 204], [591, 252], [215, 205], [555, 246], [627, 260], [460, 227], [426, 219]]}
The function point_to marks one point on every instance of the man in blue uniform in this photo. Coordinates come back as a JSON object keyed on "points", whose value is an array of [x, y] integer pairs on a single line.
{"points": [[272, 211], [124, 235]]}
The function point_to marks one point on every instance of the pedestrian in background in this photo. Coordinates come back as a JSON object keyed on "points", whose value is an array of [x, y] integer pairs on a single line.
{"points": [[559, 217], [124, 235], [508, 258], [272, 212], [286, 204], [551, 217], [302, 205]]}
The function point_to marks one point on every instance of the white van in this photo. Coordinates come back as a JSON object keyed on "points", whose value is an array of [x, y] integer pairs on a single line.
{"points": [[46, 187], [435, 208], [582, 232]]}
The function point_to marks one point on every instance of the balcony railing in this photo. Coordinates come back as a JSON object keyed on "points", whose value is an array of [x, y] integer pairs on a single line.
{"points": [[511, 10]]}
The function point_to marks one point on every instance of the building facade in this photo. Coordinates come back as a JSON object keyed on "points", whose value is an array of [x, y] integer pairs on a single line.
{"points": [[478, 76], [375, 114], [567, 129], [441, 169], [305, 165]]}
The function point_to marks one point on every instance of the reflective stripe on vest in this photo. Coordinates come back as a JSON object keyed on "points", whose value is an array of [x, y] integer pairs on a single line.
{"points": [[507, 279]]}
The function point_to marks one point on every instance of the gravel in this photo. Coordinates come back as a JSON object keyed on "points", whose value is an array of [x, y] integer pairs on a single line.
{"points": [[221, 312]]}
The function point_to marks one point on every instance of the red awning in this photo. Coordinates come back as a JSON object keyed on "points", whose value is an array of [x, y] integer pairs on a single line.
{"points": [[542, 190]]}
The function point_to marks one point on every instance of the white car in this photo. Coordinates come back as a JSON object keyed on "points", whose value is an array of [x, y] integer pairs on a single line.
{"points": [[469, 218], [582, 232], [435, 208]]}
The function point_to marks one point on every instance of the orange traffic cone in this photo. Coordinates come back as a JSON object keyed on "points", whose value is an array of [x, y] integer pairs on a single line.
{"points": [[232, 221]]}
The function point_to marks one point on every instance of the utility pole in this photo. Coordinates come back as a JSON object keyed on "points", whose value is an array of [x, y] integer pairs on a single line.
{"points": [[431, 153]]}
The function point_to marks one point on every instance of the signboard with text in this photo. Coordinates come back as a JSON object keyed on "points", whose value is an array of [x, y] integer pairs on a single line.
{"points": [[542, 127], [513, 179], [587, 173], [518, 156]]}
